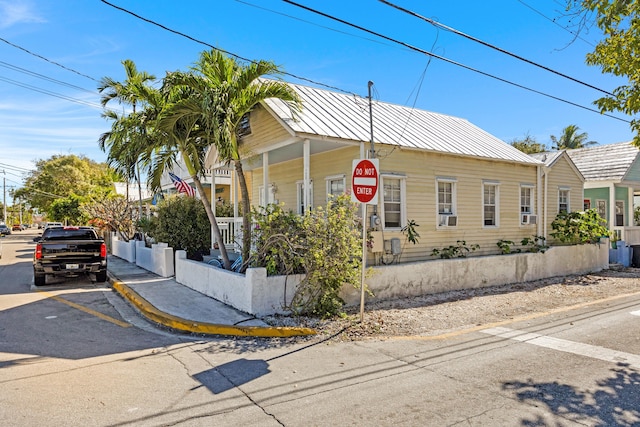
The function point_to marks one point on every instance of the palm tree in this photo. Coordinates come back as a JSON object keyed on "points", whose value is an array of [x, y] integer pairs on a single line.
{"points": [[239, 89], [571, 139], [222, 93], [134, 90]]}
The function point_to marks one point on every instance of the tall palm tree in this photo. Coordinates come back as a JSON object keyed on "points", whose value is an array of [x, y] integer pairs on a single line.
{"points": [[135, 89], [178, 130], [571, 139], [234, 90]]}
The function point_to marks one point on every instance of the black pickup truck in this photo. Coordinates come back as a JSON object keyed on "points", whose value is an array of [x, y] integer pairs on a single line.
{"points": [[69, 251]]}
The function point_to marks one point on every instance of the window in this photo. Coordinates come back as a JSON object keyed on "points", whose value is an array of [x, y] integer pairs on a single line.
{"points": [[244, 127], [272, 194], [619, 213], [563, 200], [586, 204], [335, 185], [300, 191], [393, 194], [602, 208], [446, 196], [526, 199], [490, 203]]}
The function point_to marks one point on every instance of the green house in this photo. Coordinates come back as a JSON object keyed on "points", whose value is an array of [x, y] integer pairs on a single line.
{"points": [[612, 178]]}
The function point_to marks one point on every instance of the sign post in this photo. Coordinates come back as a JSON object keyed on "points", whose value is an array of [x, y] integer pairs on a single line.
{"points": [[364, 190]]}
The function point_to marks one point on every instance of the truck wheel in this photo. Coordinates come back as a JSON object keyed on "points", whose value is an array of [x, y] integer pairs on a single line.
{"points": [[39, 279], [101, 276]]}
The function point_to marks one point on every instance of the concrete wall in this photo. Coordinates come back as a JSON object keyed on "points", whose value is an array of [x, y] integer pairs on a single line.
{"points": [[124, 250], [253, 293], [157, 259], [260, 295], [431, 277]]}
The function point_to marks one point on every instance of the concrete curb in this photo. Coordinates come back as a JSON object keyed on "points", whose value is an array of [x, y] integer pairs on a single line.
{"points": [[189, 326]]}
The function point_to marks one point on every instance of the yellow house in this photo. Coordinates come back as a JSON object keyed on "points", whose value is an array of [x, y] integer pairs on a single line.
{"points": [[457, 182]]}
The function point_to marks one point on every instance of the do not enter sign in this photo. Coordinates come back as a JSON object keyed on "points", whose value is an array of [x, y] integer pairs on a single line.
{"points": [[364, 181]]}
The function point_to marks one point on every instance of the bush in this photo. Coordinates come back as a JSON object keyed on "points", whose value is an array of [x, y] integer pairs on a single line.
{"points": [[579, 227], [325, 245], [182, 223]]}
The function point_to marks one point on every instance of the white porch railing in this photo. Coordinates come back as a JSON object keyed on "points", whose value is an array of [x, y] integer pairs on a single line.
{"points": [[231, 230], [630, 235]]}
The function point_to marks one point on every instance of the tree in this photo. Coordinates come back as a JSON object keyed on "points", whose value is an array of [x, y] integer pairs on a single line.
{"points": [[571, 139], [529, 145], [618, 53], [126, 139], [62, 176], [238, 89]]}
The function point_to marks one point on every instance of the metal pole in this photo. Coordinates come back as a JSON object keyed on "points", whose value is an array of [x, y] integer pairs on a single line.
{"points": [[372, 151], [4, 195]]}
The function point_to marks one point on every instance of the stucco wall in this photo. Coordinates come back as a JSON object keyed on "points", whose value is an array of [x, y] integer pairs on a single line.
{"points": [[430, 277], [260, 295]]}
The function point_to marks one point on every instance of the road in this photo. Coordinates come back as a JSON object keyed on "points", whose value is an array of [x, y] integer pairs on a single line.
{"points": [[74, 354]]}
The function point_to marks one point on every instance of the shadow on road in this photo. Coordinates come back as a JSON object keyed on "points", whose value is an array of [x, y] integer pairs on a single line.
{"points": [[616, 401]]}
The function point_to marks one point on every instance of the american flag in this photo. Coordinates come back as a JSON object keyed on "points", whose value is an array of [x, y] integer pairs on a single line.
{"points": [[182, 186]]}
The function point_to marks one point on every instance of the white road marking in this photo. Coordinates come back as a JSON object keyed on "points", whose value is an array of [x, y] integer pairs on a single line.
{"points": [[636, 313], [566, 346]]}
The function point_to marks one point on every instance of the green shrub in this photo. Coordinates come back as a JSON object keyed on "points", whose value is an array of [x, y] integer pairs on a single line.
{"points": [[459, 250], [579, 227], [182, 223], [324, 245]]}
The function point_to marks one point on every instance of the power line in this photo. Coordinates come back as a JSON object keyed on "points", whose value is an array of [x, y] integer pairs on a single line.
{"points": [[48, 60], [43, 77], [47, 92], [214, 47], [417, 49], [489, 45]]}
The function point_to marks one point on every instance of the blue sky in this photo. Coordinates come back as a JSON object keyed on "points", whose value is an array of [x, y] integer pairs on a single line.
{"points": [[46, 109]]}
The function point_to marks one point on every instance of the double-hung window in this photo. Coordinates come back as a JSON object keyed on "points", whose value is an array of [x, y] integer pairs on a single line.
{"points": [[393, 201], [490, 199], [335, 186], [446, 202], [527, 198], [563, 200]]}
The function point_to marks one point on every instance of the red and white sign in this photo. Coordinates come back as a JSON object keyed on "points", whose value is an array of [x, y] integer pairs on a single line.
{"points": [[364, 181]]}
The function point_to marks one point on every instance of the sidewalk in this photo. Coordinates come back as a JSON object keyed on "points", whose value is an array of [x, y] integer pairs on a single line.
{"points": [[172, 305]]}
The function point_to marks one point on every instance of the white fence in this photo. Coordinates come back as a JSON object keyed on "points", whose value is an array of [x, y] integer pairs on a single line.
{"points": [[260, 295], [157, 259]]}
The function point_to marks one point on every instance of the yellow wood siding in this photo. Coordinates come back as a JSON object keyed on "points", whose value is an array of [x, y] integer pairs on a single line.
{"points": [[562, 174], [420, 171], [265, 131]]}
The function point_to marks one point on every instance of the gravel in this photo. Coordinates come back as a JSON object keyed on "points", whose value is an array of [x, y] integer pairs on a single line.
{"points": [[448, 312]]}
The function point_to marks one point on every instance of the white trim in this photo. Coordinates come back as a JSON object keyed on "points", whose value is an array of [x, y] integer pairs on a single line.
{"points": [[299, 201], [496, 204], [330, 178], [403, 199], [454, 204]]}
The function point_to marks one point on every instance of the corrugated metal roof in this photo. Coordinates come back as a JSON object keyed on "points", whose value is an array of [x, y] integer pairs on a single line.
{"points": [[344, 116], [548, 157], [608, 162]]}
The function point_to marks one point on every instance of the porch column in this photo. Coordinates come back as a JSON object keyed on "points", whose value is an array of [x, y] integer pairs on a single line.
{"points": [[630, 192], [306, 154], [265, 178], [612, 206]]}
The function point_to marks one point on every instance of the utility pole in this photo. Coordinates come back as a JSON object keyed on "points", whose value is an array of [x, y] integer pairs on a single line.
{"points": [[4, 195]]}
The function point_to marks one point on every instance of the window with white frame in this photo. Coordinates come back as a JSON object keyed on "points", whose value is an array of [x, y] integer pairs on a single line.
{"points": [[490, 203], [272, 194], [526, 199], [393, 201], [563, 200], [446, 196], [300, 191], [619, 213], [335, 185]]}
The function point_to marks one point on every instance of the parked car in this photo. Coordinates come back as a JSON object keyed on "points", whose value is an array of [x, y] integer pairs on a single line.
{"points": [[4, 230], [16, 227]]}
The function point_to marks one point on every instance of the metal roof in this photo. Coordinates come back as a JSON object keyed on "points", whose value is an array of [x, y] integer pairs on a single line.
{"points": [[609, 162], [337, 115]]}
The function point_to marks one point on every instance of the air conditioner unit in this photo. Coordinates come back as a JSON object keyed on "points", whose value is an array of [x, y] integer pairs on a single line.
{"points": [[448, 220], [529, 219]]}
